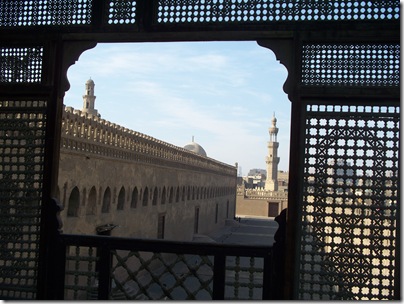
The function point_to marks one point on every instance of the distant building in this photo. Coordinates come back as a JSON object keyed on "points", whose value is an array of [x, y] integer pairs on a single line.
{"points": [[257, 172], [255, 179]]}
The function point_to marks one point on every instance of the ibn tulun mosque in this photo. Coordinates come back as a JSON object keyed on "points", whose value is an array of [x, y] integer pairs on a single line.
{"points": [[121, 182]]}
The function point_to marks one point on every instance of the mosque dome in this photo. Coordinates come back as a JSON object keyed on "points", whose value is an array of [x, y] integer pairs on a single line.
{"points": [[90, 81], [196, 148]]}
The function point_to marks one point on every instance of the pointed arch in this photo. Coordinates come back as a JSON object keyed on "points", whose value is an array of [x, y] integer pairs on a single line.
{"points": [[121, 199], [145, 197], [163, 196], [74, 203], [155, 196], [170, 195], [177, 195], [135, 194], [92, 202], [106, 201]]}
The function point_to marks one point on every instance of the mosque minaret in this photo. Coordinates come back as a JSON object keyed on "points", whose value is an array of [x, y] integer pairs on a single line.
{"points": [[89, 99], [272, 160]]}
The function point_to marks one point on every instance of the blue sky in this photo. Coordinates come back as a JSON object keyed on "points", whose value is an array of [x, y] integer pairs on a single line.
{"points": [[222, 93]]}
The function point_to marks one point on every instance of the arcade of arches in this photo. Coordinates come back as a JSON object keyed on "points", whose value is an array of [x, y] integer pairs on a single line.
{"points": [[109, 175]]}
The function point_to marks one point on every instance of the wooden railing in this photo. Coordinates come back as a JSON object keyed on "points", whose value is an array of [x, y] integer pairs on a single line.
{"points": [[104, 267]]}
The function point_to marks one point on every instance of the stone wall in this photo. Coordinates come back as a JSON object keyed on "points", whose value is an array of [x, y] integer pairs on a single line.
{"points": [[259, 202], [112, 175]]}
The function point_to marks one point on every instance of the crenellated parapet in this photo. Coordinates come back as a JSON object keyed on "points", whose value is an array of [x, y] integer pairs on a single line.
{"points": [[265, 194], [261, 193], [90, 134]]}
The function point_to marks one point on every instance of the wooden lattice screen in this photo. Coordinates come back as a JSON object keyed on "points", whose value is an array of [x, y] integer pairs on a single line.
{"points": [[349, 202], [22, 146]]}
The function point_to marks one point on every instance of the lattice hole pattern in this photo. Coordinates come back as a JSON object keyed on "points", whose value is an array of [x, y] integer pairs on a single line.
{"points": [[351, 65], [122, 12], [349, 203], [78, 12], [21, 65], [45, 12], [225, 11], [22, 141]]}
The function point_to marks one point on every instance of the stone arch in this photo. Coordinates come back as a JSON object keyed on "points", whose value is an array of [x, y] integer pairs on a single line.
{"points": [[133, 203], [170, 195], [121, 199], [92, 202], [106, 201], [183, 193], [74, 203], [163, 196], [83, 203], [177, 195], [155, 196], [145, 197]]}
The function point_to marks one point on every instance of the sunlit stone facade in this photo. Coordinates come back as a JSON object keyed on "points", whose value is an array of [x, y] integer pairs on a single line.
{"points": [[138, 185]]}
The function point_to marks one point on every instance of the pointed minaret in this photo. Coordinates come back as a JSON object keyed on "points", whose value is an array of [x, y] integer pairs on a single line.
{"points": [[272, 159], [89, 99]]}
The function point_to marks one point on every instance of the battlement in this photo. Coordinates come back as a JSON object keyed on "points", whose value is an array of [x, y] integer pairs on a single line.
{"points": [[261, 193], [91, 134]]}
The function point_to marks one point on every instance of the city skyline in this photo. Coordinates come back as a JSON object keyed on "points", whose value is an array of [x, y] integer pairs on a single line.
{"points": [[222, 94]]}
